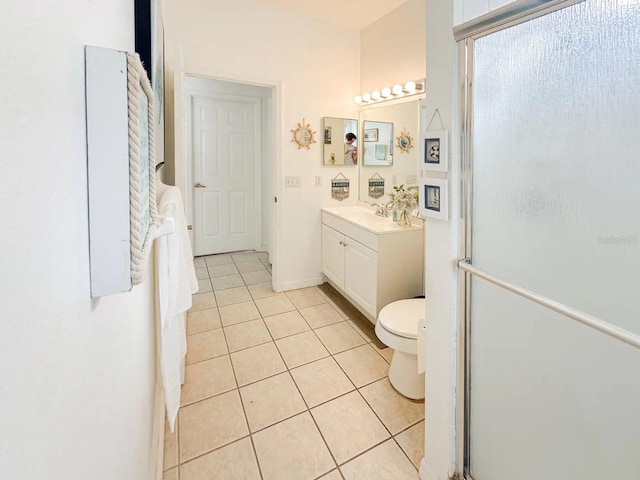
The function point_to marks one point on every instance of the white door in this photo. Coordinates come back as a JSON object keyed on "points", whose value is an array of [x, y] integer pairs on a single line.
{"points": [[225, 141], [333, 255], [360, 274]]}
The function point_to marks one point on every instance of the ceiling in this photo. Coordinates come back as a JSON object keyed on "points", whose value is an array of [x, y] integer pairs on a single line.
{"points": [[353, 14]]}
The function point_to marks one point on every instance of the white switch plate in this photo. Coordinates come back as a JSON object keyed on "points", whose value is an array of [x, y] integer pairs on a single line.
{"points": [[318, 181], [292, 181]]}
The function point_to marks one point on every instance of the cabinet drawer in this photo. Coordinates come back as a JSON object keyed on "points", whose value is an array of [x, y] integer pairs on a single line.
{"points": [[365, 237]]}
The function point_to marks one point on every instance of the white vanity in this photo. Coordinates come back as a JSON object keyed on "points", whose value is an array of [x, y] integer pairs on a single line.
{"points": [[369, 259]]}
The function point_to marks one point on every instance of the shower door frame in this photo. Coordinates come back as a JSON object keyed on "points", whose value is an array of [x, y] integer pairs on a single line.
{"points": [[465, 34]]}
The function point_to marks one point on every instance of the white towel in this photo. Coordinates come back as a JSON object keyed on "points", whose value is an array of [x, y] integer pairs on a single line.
{"points": [[176, 282]]}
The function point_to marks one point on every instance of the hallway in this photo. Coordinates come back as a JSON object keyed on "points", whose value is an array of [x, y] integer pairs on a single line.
{"points": [[286, 386]]}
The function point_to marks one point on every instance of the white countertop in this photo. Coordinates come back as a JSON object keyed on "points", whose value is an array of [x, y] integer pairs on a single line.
{"points": [[367, 219]]}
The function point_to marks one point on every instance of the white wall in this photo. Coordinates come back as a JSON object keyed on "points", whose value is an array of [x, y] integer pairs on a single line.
{"points": [[253, 42], [442, 241], [393, 48], [77, 375]]}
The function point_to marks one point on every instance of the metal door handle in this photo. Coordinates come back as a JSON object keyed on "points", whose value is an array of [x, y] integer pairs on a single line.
{"points": [[199, 185]]}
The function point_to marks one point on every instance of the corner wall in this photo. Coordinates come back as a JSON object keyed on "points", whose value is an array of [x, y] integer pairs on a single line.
{"points": [[78, 374], [443, 367], [315, 68]]}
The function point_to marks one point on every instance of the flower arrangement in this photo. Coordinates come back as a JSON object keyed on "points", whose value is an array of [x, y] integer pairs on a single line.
{"points": [[403, 199]]}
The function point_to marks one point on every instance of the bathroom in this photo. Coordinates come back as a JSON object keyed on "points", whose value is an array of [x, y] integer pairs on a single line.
{"points": [[368, 62], [79, 373]]}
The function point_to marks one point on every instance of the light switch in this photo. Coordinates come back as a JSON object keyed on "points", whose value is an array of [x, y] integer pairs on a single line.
{"points": [[292, 181], [318, 181]]}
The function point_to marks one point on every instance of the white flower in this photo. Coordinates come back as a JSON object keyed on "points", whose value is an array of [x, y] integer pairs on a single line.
{"points": [[403, 199]]}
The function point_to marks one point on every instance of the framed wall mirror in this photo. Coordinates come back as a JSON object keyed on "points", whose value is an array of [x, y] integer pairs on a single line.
{"points": [[405, 117], [340, 141], [378, 143]]}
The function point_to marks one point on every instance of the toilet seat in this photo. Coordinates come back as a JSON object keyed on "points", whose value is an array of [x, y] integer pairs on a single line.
{"points": [[401, 317]]}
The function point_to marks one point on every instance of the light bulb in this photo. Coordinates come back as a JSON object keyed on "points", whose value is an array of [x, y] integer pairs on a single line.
{"points": [[375, 95], [410, 87], [357, 99], [366, 97], [397, 89], [386, 92]]}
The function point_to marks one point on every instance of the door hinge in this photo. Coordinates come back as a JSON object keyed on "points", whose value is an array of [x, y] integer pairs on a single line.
{"points": [[275, 199], [189, 227]]}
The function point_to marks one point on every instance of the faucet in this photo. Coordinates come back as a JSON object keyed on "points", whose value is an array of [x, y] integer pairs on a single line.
{"points": [[381, 210]]}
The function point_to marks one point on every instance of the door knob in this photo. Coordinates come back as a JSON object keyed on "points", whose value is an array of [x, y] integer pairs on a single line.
{"points": [[199, 185]]}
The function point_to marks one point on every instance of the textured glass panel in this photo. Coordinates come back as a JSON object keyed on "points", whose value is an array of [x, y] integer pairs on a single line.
{"points": [[551, 399], [556, 180]]}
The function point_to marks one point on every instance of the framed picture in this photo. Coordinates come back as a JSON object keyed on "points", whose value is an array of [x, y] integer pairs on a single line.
{"points": [[370, 134], [434, 196], [142, 188], [381, 152], [327, 135], [433, 151], [149, 44], [121, 176]]}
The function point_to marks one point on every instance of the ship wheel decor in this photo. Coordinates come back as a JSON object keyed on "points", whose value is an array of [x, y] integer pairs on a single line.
{"points": [[405, 142], [303, 135]]}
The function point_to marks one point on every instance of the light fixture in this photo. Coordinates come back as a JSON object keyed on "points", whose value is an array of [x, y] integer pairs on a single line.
{"points": [[398, 90], [409, 87]]}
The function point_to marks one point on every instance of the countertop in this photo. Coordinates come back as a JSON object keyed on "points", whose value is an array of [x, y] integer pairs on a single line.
{"points": [[367, 219]]}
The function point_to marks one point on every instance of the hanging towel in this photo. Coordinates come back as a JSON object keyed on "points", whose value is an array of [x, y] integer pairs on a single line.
{"points": [[176, 282]]}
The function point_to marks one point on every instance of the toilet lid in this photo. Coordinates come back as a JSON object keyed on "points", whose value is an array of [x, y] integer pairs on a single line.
{"points": [[402, 317]]}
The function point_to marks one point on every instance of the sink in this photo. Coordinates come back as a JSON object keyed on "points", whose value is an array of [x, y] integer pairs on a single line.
{"points": [[367, 219]]}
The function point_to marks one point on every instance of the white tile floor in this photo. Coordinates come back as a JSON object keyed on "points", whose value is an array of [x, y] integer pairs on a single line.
{"points": [[286, 386]]}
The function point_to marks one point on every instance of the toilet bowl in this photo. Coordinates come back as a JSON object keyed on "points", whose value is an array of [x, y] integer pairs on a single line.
{"points": [[397, 328]]}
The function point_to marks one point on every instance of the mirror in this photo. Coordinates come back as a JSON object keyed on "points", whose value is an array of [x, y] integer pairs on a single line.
{"points": [[340, 141], [303, 135], [404, 119], [378, 143]]}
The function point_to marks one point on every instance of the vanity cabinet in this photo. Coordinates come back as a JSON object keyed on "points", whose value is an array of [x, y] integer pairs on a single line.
{"points": [[369, 266]]}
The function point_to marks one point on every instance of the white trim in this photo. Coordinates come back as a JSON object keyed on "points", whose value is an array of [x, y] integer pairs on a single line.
{"points": [[425, 472], [277, 107], [157, 437], [304, 283]]}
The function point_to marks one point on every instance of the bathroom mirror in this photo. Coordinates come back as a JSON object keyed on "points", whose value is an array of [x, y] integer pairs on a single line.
{"points": [[403, 118], [377, 143], [340, 141]]}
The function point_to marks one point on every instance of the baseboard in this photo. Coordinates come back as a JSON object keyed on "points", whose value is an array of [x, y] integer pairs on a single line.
{"points": [[425, 472], [309, 282], [157, 438]]}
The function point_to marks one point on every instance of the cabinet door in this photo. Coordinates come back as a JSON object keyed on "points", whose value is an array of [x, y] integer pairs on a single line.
{"points": [[333, 255], [361, 274]]}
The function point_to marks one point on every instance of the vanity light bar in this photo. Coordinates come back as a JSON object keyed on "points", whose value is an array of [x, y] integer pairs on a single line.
{"points": [[389, 93]]}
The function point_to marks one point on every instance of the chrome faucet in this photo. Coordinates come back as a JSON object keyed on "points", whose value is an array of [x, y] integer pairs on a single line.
{"points": [[381, 210]]}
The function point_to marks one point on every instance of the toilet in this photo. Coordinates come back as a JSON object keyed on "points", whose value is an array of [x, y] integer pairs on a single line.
{"points": [[397, 328]]}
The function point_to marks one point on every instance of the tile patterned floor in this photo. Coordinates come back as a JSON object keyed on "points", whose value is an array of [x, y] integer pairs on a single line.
{"points": [[286, 386]]}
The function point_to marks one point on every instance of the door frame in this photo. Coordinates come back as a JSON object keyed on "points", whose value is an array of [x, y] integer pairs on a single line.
{"points": [[183, 170]]}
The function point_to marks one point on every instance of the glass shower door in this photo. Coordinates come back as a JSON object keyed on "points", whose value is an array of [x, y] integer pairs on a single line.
{"points": [[556, 210]]}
